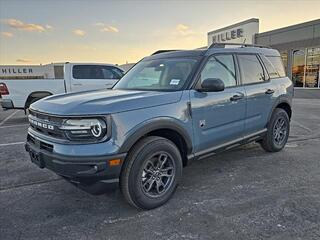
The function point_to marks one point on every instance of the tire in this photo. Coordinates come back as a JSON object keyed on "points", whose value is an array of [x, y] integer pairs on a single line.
{"points": [[278, 131], [142, 171]]}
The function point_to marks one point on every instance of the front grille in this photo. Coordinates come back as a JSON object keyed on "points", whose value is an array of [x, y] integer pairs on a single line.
{"points": [[46, 124], [42, 145]]}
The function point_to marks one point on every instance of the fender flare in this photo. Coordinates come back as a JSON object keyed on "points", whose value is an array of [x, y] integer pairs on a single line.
{"points": [[280, 100], [156, 124]]}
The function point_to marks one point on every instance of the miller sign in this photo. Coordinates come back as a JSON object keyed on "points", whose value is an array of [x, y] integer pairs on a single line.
{"points": [[222, 37], [5, 71], [242, 32], [21, 71]]}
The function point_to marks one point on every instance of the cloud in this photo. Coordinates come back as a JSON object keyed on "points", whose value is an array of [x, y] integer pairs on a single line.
{"points": [[79, 32], [7, 34], [28, 27], [109, 29], [106, 28], [183, 29], [99, 24], [49, 27], [21, 60]]}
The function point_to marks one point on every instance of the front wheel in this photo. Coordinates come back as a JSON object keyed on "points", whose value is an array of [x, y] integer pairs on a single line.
{"points": [[151, 172], [278, 131]]}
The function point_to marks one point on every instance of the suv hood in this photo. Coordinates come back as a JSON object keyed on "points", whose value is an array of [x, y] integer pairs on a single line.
{"points": [[103, 102]]}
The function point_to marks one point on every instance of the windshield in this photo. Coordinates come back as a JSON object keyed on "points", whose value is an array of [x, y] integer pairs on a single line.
{"points": [[158, 75]]}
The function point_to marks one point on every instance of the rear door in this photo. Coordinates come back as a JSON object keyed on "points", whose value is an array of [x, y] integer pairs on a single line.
{"points": [[92, 77], [259, 91], [218, 117]]}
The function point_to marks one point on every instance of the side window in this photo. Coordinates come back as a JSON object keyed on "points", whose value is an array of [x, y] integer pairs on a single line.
{"points": [[119, 73], [251, 69], [87, 72], [278, 65], [222, 67], [96, 72], [109, 73]]}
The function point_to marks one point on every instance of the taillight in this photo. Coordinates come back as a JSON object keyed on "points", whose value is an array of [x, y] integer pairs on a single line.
{"points": [[3, 89]]}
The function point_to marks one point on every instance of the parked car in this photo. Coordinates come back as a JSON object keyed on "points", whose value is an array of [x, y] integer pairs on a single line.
{"points": [[169, 109], [20, 86]]}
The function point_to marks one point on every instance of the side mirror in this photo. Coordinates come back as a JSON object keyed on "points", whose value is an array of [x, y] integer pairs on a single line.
{"points": [[212, 85]]}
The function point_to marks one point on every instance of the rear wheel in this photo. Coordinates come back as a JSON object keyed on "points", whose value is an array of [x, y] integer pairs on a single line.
{"points": [[151, 172], [278, 131]]}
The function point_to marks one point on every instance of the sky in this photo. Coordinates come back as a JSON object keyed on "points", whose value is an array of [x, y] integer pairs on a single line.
{"points": [[46, 31]]}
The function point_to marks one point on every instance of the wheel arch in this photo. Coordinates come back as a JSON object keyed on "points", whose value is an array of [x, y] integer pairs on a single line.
{"points": [[166, 128], [285, 106], [36, 94], [283, 103]]}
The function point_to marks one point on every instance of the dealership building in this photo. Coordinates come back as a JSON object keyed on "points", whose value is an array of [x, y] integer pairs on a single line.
{"points": [[299, 46]]}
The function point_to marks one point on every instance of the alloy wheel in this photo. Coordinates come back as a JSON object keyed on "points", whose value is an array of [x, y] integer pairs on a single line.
{"points": [[280, 131], [158, 174]]}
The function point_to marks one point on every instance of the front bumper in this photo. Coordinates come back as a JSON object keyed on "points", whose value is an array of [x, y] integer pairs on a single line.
{"points": [[6, 103], [93, 174]]}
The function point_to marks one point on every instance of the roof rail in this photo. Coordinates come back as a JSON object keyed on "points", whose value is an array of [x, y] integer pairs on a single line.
{"points": [[223, 45], [163, 51]]}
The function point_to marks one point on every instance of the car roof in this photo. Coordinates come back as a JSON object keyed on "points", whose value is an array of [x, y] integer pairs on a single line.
{"points": [[260, 50], [209, 51]]}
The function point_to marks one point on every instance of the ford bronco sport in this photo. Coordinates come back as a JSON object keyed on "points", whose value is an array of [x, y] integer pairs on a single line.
{"points": [[170, 108]]}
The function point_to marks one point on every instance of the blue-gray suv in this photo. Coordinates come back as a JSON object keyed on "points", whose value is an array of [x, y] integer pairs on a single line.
{"points": [[169, 109]]}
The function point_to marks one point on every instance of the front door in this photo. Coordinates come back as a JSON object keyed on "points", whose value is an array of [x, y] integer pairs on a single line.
{"points": [[218, 117]]}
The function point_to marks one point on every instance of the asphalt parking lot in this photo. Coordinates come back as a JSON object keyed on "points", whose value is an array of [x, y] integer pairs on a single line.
{"points": [[242, 194]]}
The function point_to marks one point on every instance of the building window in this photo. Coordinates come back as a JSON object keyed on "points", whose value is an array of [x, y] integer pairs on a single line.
{"points": [[298, 65], [284, 57], [312, 67], [58, 72], [306, 67]]}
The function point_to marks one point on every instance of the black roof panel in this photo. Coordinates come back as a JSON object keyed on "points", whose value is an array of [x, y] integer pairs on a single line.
{"points": [[209, 51], [178, 53]]}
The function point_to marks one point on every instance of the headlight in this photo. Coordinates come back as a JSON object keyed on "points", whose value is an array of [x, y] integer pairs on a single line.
{"points": [[85, 129]]}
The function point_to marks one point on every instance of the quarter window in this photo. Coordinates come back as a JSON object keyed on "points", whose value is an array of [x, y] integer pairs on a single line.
{"points": [[278, 65], [270, 68], [221, 67], [251, 69]]}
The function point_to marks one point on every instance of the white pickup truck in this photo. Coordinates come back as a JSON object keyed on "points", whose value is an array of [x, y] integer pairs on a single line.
{"points": [[22, 85]]}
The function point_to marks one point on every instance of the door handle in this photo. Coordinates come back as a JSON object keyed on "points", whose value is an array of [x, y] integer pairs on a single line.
{"points": [[236, 97], [269, 91], [77, 84]]}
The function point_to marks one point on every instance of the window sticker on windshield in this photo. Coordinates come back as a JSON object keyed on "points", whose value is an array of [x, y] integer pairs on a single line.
{"points": [[174, 81]]}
